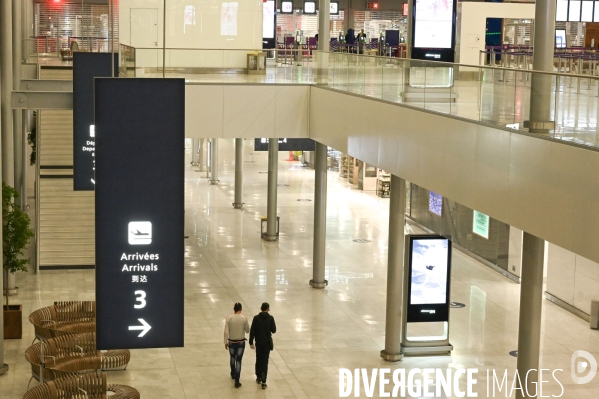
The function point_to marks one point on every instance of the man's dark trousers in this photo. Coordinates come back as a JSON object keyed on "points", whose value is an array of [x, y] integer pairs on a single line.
{"points": [[262, 354]]}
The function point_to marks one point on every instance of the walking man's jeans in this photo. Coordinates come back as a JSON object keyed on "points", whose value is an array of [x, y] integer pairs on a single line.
{"points": [[262, 354], [236, 351]]}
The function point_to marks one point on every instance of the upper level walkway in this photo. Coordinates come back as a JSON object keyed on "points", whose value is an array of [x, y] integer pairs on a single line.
{"points": [[498, 97]]}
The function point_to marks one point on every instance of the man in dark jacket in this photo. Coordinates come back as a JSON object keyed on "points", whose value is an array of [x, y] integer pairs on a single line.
{"points": [[263, 326]]}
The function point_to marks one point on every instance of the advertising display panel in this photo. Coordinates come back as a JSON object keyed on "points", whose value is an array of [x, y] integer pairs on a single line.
{"points": [[287, 7], [429, 263], [286, 144], [139, 198], [268, 19], [433, 35], [560, 38], [435, 203], [309, 7], [86, 66]]}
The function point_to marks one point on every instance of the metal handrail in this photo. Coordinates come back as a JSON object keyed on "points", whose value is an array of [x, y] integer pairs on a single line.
{"points": [[405, 60]]}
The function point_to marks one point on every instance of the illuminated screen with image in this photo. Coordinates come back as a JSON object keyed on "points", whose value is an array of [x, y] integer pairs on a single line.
{"points": [[430, 262], [268, 19], [433, 24], [309, 7], [228, 19], [560, 38], [287, 7], [435, 203]]}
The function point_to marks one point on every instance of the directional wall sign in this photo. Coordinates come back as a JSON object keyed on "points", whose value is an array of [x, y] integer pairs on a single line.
{"points": [[86, 66], [139, 212], [286, 144]]}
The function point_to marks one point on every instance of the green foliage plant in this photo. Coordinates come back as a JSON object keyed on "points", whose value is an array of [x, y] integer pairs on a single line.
{"points": [[15, 233]]}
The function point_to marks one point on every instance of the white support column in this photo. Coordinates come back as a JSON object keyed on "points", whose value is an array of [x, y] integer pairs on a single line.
{"points": [[5, 124], [271, 202], [320, 217], [531, 306], [214, 161], [238, 203], [395, 257], [542, 60], [8, 167], [17, 113]]}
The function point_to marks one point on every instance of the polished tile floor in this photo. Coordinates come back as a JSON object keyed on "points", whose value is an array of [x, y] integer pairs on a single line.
{"points": [[319, 331]]}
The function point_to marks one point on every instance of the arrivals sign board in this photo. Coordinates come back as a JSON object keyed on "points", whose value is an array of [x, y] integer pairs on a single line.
{"points": [[86, 67], [139, 212], [433, 30], [428, 282], [286, 144]]}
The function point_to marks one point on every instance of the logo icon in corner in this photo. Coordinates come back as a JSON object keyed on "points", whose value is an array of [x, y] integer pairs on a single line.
{"points": [[579, 366], [140, 233]]}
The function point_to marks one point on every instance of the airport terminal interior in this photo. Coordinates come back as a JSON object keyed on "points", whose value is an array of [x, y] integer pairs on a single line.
{"points": [[429, 165]]}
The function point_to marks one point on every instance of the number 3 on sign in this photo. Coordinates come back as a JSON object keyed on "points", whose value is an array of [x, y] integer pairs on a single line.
{"points": [[141, 298]]}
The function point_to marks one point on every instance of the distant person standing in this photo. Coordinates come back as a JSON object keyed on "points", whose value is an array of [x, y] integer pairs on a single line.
{"points": [[263, 326], [361, 41], [236, 326]]}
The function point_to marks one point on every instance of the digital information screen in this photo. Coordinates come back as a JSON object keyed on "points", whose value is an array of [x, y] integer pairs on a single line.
{"points": [[268, 19], [433, 29], [435, 203], [286, 7], [561, 11], [309, 7], [429, 262], [560, 38], [286, 144], [334, 8], [140, 126], [86, 66], [228, 18]]}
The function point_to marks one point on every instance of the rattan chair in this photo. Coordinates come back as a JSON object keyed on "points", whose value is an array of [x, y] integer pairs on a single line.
{"points": [[85, 386], [69, 355], [64, 318]]}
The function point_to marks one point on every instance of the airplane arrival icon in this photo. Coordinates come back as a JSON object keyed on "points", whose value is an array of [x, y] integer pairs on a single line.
{"points": [[140, 233], [145, 327]]}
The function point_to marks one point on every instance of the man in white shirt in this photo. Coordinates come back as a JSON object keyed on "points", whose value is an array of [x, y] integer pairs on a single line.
{"points": [[236, 326]]}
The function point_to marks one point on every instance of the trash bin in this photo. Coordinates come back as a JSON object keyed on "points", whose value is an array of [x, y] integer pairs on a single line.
{"points": [[263, 221], [256, 63], [595, 314]]}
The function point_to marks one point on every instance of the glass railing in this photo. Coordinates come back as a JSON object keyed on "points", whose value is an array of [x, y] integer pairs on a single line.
{"points": [[222, 65], [491, 95], [497, 96], [126, 61]]}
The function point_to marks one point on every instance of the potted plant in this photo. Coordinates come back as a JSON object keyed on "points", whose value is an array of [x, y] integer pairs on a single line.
{"points": [[15, 236]]}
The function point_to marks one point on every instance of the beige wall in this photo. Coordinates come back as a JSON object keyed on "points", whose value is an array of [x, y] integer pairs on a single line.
{"points": [[540, 186], [572, 278]]}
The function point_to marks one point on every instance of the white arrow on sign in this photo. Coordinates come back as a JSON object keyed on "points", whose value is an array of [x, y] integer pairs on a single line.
{"points": [[145, 327]]}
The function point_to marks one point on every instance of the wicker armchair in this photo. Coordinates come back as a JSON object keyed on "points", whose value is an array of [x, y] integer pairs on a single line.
{"points": [[85, 386], [65, 356], [64, 318]]}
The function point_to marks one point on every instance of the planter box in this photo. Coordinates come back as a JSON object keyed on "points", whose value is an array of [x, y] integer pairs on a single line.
{"points": [[13, 322]]}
